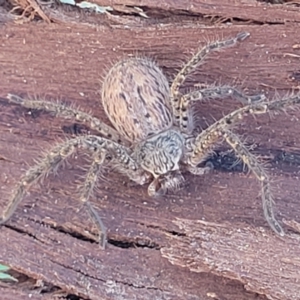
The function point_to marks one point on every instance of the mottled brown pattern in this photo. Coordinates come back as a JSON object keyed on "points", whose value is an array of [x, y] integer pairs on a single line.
{"points": [[136, 98]]}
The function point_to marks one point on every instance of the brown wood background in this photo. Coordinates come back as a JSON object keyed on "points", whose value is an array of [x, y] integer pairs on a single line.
{"points": [[207, 241]]}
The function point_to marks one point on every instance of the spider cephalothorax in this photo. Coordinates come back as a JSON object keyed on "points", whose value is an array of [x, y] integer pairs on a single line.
{"points": [[153, 139]]}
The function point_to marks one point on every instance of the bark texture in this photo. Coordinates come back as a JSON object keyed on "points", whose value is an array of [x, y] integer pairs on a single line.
{"points": [[207, 241]]}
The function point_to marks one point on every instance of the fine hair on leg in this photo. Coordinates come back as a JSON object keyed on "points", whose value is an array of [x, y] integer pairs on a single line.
{"points": [[193, 63], [62, 151], [50, 162], [258, 170], [86, 190], [211, 93], [67, 112], [207, 139]]}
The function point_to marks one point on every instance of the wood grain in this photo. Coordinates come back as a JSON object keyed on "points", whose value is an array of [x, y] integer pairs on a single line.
{"points": [[207, 241]]}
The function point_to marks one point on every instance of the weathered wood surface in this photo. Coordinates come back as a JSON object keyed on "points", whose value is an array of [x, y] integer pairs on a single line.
{"points": [[244, 10], [157, 247]]}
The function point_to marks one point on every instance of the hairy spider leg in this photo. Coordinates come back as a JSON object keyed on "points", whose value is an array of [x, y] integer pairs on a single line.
{"points": [[67, 112], [193, 63], [210, 93], [124, 163], [204, 142]]}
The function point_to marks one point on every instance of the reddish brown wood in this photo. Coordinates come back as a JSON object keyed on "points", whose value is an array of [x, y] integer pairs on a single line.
{"points": [[244, 10], [157, 248]]}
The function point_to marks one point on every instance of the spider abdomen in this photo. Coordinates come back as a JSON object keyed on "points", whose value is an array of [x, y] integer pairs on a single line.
{"points": [[136, 99]]}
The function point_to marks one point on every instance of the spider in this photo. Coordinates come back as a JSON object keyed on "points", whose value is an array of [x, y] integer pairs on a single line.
{"points": [[154, 137]]}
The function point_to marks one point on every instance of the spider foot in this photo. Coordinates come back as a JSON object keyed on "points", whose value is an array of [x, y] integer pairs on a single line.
{"points": [[96, 218], [242, 36]]}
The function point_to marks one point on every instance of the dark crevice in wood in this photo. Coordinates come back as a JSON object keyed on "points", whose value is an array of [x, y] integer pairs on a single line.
{"points": [[75, 129], [289, 158], [73, 234], [66, 231], [72, 297], [117, 241], [159, 15], [125, 244], [280, 2], [22, 231], [226, 161], [175, 233], [172, 232]]}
